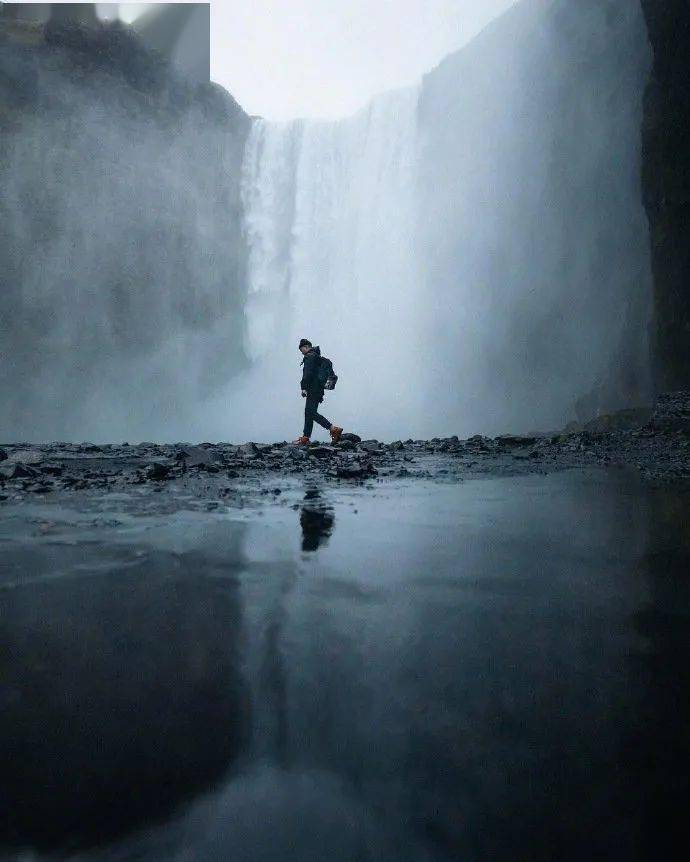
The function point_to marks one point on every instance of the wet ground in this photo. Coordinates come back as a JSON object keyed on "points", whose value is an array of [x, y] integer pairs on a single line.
{"points": [[236, 660]]}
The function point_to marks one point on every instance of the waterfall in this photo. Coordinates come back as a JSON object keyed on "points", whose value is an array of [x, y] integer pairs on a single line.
{"points": [[329, 211], [472, 253]]}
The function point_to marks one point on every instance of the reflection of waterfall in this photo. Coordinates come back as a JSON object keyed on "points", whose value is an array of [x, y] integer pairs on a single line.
{"points": [[329, 217]]}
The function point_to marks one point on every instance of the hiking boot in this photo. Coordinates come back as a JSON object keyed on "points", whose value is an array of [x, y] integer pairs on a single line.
{"points": [[335, 433], [302, 441]]}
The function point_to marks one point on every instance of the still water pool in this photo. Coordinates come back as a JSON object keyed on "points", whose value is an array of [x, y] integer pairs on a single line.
{"points": [[496, 669]]}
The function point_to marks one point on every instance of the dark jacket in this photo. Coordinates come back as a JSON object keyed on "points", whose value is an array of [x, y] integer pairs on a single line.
{"points": [[311, 362]]}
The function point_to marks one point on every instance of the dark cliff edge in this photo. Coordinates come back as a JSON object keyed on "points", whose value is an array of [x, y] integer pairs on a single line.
{"points": [[122, 276], [666, 186]]}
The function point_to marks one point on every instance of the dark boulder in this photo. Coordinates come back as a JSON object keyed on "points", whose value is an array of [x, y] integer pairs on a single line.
{"points": [[353, 438], [159, 471]]}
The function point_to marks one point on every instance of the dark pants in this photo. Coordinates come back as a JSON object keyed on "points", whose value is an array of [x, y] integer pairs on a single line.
{"points": [[312, 415]]}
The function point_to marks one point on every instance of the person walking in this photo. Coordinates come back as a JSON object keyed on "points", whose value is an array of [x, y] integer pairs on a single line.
{"points": [[312, 390]]}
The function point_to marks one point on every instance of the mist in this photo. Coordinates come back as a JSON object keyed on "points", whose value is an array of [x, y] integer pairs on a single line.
{"points": [[470, 251], [122, 295]]}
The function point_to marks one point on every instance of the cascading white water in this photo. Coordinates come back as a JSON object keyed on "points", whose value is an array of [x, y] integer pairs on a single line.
{"points": [[330, 213], [472, 253]]}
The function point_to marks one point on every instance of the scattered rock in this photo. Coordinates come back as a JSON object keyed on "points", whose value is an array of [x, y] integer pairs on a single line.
{"points": [[510, 440], [370, 446], [159, 471], [3, 455], [249, 450], [353, 438], [39, 487], [17, 470], [26, 456], [52, 469], [297, 453], [355, 470], [198, 456], [322, 451]]}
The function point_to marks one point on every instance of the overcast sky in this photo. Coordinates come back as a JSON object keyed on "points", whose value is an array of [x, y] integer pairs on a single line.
{"points": [[325, 58]]}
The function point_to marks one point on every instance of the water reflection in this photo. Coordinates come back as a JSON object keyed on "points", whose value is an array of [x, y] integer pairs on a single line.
{"points": [[658, 741], [121, 696], [492, 670], [316, 519]]}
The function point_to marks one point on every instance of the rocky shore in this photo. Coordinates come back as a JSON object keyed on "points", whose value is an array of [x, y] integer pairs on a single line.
{"points": [[655, 442]]}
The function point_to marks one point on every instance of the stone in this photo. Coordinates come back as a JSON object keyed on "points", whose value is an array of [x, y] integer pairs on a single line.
{"points": [[52, 469], [249, 450], [510, 440], [39, 487], [370, 446], [353, 438], [322, 451], [355, 470], [17, 470], [159, 471], [3, 455], [198, 456], [26, 456], [297, 453]]}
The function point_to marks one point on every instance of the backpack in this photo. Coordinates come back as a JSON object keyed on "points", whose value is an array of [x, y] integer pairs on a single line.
{"points": [[325, 374]]}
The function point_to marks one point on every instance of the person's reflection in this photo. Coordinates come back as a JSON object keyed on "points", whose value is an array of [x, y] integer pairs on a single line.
{"points": [[316, 519]]}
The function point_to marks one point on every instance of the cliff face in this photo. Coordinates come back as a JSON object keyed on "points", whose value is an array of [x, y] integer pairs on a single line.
{"points": [[533, 215], [666, 186], [122, 283]]}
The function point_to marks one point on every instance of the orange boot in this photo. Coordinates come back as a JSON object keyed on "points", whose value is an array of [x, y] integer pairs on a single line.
{"points": [[302, 441], [336, 431]]}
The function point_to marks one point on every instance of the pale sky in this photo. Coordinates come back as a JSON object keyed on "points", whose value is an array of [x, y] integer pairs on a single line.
{"points": [[325, 58]]}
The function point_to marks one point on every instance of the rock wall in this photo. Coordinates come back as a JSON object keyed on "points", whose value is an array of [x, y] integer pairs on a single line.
{"points": [[122, 277], [666, 186]]}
